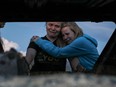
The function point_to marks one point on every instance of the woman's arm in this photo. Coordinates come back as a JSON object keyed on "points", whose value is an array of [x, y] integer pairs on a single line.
{"points": [[75, 65], [70, 50]]}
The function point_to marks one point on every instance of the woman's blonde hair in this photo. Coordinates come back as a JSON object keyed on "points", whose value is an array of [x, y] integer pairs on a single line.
{"points": [[74, 27]]}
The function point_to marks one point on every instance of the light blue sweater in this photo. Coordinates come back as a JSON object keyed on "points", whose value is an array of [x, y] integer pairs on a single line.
{"points": [[84, 48]]}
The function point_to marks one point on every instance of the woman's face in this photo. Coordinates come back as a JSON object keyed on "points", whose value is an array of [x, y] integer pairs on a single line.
{"points": [[68, 35]]}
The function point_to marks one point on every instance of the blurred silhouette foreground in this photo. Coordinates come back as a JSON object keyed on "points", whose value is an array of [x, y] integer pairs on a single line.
{"points": [[12, 63]]}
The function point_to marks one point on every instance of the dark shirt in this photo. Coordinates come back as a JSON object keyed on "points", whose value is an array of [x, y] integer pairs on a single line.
{"points": [[45, 62]]}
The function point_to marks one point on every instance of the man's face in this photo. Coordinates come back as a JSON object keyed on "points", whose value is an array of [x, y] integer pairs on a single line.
{"points": [[2, 24], [53, 29]]}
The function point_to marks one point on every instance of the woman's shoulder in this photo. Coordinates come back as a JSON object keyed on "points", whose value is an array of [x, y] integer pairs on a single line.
{"points": [[80, 38]]}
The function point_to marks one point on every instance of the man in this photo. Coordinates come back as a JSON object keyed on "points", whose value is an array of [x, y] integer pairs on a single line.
{"points": [[43, 62], [1, 42]]}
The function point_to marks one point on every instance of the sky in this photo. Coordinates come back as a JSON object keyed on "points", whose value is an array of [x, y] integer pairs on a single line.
{"points": [[18, 34]]}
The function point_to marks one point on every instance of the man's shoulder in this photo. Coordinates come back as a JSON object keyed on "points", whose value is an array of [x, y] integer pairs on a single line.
{"points": [[45, 38], [35, 46]]}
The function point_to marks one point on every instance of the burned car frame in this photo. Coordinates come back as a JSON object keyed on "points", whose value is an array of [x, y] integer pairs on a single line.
{"points": [[67, 10]]}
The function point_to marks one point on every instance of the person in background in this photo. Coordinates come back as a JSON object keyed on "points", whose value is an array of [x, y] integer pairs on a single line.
{"points": [[43, 62], [1, 42], [80, 49]]}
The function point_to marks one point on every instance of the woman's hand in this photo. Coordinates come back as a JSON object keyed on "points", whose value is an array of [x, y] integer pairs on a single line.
{"points": [[34, 38], [75, 64]]}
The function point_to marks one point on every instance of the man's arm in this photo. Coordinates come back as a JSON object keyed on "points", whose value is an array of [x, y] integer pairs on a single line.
{"points": [[30, 55]]}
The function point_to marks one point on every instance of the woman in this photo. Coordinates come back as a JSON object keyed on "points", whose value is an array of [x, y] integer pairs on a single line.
{"points": [[80, 48]]}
